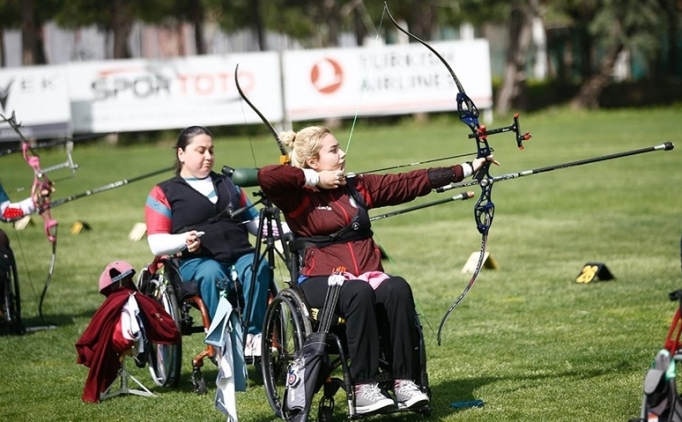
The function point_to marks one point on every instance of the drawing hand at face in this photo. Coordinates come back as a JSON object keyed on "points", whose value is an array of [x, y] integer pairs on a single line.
{"points": [[330, 164], [332, 179]]}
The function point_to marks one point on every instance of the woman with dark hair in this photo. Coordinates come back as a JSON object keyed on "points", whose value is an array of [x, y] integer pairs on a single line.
{"points": [[191, 216]]}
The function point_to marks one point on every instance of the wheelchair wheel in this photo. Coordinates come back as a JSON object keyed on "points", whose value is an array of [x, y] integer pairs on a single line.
{"points": [[10, 303], [165, 360], [286, 328]]}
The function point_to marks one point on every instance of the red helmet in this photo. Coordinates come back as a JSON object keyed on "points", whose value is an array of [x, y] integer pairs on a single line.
{"points": [[113, 273]]}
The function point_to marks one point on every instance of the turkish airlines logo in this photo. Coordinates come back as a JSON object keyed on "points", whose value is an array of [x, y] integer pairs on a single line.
{"points": [[326, 76], [4, 94]]}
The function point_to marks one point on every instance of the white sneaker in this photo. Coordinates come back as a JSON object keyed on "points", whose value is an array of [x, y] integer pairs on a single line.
{"points": [[409, 395], [369, 398], [253, 347]]}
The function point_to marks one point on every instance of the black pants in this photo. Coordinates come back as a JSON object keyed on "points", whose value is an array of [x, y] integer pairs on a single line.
{"points": [[363, 308]]}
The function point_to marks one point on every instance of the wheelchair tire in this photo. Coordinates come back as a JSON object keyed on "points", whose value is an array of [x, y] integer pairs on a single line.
{"points": [[165, 360], [325, 414], [286, 328], [10, 305]]}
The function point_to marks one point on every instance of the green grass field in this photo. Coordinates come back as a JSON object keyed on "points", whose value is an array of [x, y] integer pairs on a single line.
{"points": [[528, 340]]}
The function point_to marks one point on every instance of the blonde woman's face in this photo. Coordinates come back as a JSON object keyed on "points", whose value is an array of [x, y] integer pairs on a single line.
{"points": [[330, 157], [197, 158]]}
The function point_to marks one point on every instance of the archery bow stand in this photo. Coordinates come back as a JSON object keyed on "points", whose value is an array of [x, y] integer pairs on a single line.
{"points": [[269, 215]]}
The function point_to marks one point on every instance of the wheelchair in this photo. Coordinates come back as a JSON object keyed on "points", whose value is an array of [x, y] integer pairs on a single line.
{"points": [[161, 280], [289, 321], [10, 300]]}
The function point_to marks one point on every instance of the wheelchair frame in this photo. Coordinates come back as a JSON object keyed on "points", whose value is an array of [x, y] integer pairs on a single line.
{"points": [[161, 280], [10, 298], [288, 322]]}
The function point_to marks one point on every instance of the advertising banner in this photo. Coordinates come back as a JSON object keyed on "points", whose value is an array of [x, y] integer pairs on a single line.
{"points": [[38, 96], [384, 80], [137, 95]]}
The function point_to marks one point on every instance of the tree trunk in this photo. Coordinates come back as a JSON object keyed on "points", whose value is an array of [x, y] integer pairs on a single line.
{"points": [[121, 26], [40, 56], [359, 28], [331, 18], [28, 33], [588, 95], [420, 22], [258, 26], [198, 22], [513, 85]]}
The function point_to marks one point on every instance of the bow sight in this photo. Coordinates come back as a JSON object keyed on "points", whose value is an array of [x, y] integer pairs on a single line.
{"points": [[482, 132]]}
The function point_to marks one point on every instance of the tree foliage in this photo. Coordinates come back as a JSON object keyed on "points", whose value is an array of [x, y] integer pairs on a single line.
{"points": [[584, 37]]}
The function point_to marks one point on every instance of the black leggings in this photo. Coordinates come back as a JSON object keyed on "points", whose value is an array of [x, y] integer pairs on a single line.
{"points": [[361, 306]]}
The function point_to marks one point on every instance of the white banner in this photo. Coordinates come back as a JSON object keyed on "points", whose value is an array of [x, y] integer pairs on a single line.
{"points": [[131, 95], [384, 80], [38, 96]]}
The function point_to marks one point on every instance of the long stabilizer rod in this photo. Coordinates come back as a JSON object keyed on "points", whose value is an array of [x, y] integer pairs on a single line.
{"points": [[112, 185], [667, 146]]}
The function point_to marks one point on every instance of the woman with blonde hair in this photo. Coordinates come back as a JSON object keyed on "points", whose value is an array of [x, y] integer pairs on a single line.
{"points": [[327, 208]]}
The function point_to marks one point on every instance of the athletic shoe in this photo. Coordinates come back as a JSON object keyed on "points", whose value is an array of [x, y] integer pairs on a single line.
{"points": [[253, 346], [408, 395], [369, 398]]}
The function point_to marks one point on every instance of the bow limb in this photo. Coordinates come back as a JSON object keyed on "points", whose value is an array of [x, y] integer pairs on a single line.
{"points": [[284, 158], [464, 103], [474, 277]]}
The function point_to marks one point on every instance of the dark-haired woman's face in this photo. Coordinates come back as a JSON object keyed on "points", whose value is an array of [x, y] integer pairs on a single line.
{"points": [[197, 158]]}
